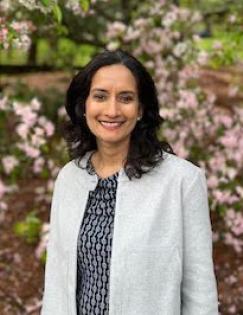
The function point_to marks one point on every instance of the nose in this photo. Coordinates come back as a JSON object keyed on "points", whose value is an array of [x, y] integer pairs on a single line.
{"points": [[112, 108]]}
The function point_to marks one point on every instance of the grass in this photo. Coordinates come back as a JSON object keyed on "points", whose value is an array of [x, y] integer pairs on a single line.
{"points": [[231, 41]]}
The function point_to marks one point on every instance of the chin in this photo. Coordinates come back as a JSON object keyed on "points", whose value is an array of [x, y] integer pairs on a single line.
{"points": [[113, 140]]}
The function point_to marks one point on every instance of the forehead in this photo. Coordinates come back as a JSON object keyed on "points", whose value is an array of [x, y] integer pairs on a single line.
{"points": [[114, 76]]}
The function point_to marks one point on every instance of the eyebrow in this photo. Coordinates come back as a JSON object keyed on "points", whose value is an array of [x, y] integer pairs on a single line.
{"points": [[103, 90]]}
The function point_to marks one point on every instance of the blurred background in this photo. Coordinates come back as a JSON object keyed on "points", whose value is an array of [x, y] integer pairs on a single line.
{"points": [[194, 51]]}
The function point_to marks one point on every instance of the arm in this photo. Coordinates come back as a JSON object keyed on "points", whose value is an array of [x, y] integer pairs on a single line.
{"points": [[199, 288]]}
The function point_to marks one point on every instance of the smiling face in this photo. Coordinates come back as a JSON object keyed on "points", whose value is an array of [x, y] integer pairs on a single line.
{"points": [[112, 106]]}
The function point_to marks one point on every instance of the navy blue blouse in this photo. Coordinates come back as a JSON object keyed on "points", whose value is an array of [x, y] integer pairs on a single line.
{"points": [[94, 247]]}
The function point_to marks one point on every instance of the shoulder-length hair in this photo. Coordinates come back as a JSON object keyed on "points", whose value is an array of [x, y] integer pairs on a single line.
{"points": [[145, 149]]}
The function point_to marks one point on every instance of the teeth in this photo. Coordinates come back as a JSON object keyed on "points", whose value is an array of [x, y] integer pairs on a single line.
{"points": [[108, 124]]}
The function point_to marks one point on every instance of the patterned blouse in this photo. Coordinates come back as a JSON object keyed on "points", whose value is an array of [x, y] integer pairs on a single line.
{"points": [[94, 247]]}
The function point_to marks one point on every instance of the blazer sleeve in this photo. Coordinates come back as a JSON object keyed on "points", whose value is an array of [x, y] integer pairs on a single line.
{"points": [[54, 281], [199, 287]]}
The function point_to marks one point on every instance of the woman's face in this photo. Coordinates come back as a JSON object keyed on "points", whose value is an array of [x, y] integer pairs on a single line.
{"points": [[112, 106]]}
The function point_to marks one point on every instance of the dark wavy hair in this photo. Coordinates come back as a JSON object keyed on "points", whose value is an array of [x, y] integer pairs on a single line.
{"points": [[145, 149]]}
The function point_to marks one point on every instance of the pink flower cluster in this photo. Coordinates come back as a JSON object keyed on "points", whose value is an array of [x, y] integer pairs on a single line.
{"points": [[235, 220], [195, 126], [32, 129], [31, 132], [15, 34]]}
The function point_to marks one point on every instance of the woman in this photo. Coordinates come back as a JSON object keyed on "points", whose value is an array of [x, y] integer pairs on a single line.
{"points": [[130, 226]]}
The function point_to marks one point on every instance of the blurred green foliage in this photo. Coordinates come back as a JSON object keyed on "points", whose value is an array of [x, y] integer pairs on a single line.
{"points": [[63, 54], [29, 229]]}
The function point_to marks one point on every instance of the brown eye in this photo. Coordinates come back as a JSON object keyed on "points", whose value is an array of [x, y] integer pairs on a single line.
{"points": [[99, 97], [126, 99]]}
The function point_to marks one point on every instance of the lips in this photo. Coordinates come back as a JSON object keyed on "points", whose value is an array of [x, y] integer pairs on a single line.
{"points": [[111, 124]]}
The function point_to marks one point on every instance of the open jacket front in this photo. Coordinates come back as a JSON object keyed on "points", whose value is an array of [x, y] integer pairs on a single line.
{"points": [[161, 261]]}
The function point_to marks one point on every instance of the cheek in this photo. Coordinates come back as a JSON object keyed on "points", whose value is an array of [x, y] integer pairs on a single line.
{"points": [[91, 108], [132, 113]]}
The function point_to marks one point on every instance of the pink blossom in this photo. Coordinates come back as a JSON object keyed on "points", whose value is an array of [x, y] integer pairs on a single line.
{"points": [[222, 196], [185, 14], [203, 58], [231, 240], [113, 45], [9, 163], [140, 23], [62, 112], [115, 28], [42, 120], [234, 220], [50, 185], [49, 128], [230, 214], [217, 162], [188, 73], [239, 190], [54, 171], [35, 104], [180, 150], [29, 117], [37, 141], [215, 236], [22, 130], [226, 120], [196, 17], [233, 91], [229, 140], [38, 165], [232, 18], [187, 99], [212, 181], [231, 279], [3, 206], [131, 34], [180, 49], [151, 47], [232, 309], [26, 114], [39, 131], [29, 150], [169, 19], [4, 100], [3, 188], [50, 164], [217, 45]]}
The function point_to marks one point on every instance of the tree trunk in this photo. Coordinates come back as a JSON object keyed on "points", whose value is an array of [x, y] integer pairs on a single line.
{"points": [[176, 2], [32, 54]]}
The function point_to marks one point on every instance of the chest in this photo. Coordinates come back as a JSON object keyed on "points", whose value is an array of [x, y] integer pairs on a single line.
{"points": [[143, 219]]}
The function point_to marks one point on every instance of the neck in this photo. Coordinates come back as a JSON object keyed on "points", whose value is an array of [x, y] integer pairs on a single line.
{"points": [[109, 156]]}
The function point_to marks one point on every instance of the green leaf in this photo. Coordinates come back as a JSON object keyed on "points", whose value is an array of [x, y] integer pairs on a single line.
{"points": [[45, 2], [57, 12], [29, 229], [84, 4]]}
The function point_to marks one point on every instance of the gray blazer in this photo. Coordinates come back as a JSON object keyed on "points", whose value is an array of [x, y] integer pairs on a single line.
{"points": [[161, 260]]}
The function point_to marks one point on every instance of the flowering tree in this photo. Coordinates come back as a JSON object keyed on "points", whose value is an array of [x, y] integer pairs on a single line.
{"points": [[29, 152], [163, 39], [22, 20], [162, 36]]}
